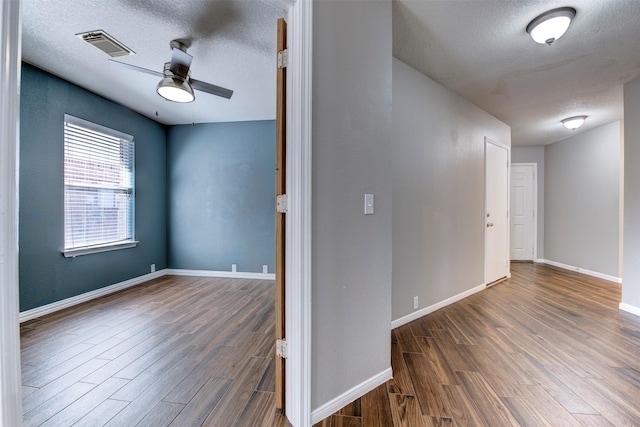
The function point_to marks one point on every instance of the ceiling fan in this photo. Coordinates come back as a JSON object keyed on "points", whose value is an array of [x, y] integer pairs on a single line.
{"points": [[176, 84]]}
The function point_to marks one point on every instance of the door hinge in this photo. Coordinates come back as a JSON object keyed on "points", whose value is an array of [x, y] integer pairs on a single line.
{"points": [[281, 348], [281, 203], [283, 58]]}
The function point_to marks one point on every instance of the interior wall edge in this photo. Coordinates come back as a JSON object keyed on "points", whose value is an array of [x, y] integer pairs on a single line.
{"points": [[10, 52]]}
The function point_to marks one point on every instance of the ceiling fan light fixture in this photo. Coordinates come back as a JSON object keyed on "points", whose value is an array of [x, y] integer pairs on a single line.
{"points": [[175, 89], [574, 123], [551, 25]]}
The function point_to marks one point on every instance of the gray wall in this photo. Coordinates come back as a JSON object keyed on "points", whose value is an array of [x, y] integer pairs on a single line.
{"points": [[351, 252], [45, 275], [438, 190], [582, 200], [631, 264], [534, 155], [222, 196]]}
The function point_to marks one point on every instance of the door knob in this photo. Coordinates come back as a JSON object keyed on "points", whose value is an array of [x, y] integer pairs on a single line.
{"points": [[489, 224]]}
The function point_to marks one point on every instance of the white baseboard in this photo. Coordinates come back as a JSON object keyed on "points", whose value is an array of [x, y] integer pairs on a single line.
{"points": [[349, 396], [630, 308], [582, 271], [424, 311], [229, 274], [87, 296]]}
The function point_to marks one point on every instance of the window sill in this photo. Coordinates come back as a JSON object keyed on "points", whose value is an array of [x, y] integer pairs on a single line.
{"points": [[72, 253]]}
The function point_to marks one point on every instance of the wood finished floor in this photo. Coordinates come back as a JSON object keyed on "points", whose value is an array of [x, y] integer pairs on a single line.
{"points": [[175, 351], [546, 348]]}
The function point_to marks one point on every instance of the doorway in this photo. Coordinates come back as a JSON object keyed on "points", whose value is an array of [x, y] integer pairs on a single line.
{"points": [[523, 212], [496, 257], [298, 299]]}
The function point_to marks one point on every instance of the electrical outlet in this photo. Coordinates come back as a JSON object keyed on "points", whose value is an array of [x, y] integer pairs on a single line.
{"points": [[153, 268], [233, 268], [415, 303], [265, 269]]}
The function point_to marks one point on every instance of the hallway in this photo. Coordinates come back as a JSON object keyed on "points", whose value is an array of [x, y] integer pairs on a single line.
{"points": [[547, 347]]}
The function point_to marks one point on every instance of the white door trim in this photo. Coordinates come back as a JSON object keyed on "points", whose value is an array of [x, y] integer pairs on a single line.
{"points": [[298, 255], [298, 220], [10, 56], [535, 204]]}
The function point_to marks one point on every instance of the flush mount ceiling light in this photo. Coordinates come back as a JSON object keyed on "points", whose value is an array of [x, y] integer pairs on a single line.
{"points": [[551, 25], [174, 87], [574, 123]]}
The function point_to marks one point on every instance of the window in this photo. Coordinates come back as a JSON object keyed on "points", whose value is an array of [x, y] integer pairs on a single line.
{"points": [[99, 202]]}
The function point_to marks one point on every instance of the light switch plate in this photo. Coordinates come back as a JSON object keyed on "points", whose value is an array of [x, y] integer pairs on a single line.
{"points": [[368, 204]]}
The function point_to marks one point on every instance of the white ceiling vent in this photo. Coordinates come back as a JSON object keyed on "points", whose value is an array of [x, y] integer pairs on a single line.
{"points": [[105, 43]]}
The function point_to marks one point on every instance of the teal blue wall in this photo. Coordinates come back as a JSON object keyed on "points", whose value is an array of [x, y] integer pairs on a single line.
{"points": [[204, 194], [221, 186], [45, 275]]}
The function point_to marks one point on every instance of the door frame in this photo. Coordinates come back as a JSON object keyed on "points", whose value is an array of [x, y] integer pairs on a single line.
{"points": [[10, 56], [487, 141], [298, 220], [298, 224], [280, 190], [535, 205]]}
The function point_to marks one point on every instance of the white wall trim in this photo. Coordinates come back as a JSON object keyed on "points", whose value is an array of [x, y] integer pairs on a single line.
{"points": [[214, 273], [630, 308], [10, 54], [437, 306], [350, 395], [87, 296], [582, 270], [298, 219], [91, 295]]}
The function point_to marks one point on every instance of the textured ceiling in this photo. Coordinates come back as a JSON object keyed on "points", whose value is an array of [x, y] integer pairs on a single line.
{"points": [[481, 51], [478, 49], [232, 43]]}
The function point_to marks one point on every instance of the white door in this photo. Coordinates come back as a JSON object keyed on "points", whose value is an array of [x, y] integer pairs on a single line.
{"points": [[523, 211], [496, 258]]}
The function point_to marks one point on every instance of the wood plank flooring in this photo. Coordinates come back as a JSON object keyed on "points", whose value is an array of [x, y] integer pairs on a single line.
{"points": [[175, 351], [548, 347]]}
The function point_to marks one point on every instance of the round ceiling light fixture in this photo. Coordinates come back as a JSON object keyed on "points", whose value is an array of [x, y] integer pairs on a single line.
{"points": [[551, 25], [574, 123], [176, 90], [174, 87]]}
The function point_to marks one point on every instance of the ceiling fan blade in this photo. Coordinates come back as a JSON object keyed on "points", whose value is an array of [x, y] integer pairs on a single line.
{"points": [[136, 68], [180, 62], [212, 89]]}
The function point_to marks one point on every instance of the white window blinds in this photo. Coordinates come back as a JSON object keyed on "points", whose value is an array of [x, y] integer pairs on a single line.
{"points": [[98, 185]]}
